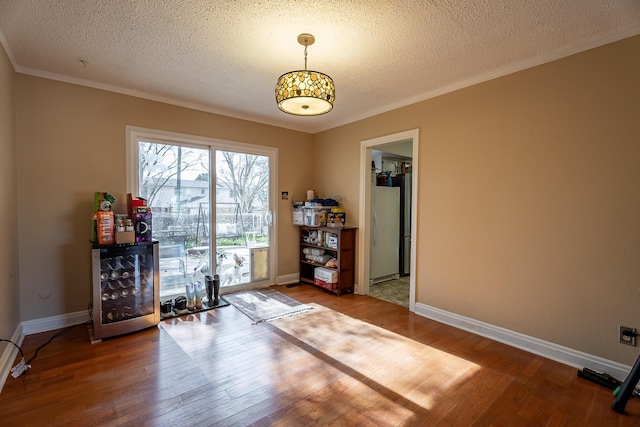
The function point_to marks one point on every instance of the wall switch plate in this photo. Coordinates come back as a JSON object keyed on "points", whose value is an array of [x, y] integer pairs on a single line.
{"points": [[627, 335]]}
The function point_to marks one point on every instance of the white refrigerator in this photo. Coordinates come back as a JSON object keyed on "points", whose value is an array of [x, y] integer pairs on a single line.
{"points": [[385, 233]]}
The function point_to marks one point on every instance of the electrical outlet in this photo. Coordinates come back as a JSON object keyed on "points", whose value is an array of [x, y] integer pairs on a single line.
{"points": [[627, 335]]}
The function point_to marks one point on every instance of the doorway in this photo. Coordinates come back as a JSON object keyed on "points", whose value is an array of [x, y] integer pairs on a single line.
{"points": [[390, 249], [393, 147]]}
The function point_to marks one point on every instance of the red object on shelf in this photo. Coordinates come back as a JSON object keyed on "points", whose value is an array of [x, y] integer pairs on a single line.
{"points": [[133, 203], [331, 286]]}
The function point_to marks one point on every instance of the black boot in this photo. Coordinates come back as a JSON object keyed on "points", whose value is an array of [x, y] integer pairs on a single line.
{"points": [[209, 286], [216, 289]]}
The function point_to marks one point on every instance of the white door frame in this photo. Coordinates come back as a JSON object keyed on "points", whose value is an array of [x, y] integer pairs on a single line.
{"points": [[364, 235]]}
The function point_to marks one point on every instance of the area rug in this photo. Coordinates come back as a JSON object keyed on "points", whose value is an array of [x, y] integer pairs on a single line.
{"points": [[264, 305]]}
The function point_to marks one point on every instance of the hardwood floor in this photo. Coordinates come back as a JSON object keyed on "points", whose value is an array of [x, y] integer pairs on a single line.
{"points": [[380, 366]]}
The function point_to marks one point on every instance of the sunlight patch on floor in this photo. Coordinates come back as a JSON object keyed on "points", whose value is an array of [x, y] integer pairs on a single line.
{"points": [[402, 371]]}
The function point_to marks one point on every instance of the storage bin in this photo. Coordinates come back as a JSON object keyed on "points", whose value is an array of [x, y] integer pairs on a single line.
{"points": [[315, 216], [298, 215]]}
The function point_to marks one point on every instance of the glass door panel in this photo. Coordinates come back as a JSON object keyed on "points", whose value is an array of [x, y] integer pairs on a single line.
{"points": [[175, 181], [243, 219]]}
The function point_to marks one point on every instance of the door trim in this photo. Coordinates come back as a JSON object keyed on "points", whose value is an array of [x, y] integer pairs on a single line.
{"points": [[364, 236]]}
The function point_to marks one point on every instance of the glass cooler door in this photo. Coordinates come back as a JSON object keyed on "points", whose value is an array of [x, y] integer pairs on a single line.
{"points": [[125, 288]]}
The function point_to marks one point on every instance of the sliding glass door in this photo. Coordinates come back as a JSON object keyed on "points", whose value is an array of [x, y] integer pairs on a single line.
{"points": [[211, 205], [242, 217]]}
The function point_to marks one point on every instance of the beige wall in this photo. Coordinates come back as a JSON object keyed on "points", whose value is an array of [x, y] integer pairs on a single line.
{"points": [[529, 206], [9, 289], [529, 197], [71, 143]]}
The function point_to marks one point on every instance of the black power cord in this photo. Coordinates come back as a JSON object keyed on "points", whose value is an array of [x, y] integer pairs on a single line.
{"points": [[57, 334], [22, 366]]}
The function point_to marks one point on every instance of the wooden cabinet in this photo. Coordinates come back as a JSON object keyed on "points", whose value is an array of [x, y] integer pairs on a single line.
{"points": [[322, 243]]}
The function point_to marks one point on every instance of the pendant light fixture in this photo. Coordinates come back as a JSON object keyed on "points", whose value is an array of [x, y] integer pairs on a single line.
{"points": [[305, 92]]}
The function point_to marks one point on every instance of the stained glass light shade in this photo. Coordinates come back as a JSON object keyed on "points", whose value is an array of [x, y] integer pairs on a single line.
{"points": [[305, 93]]}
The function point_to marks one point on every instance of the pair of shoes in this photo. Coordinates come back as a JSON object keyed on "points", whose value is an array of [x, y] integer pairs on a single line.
{"points": [[166, 309], [180, 305]]}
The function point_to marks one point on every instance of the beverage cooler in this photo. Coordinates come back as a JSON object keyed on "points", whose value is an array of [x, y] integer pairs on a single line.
{"points": [[125, 288]]}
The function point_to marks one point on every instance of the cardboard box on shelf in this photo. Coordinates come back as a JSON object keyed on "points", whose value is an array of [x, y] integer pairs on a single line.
{"points": [[336, 218], [104, 227], [133, 203], [326, 274], [123, 237], [331, 240]]}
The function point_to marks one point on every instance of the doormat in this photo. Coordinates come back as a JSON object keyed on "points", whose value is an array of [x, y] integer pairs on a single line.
{"points": [[177, 313], [264, 305]]}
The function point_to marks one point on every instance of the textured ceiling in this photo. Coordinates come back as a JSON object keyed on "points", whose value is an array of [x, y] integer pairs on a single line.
{"points": [[225, 56]]}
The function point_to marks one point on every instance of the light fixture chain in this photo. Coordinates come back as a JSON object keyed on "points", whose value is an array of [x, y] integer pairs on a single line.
{"points": [[305, 57]]}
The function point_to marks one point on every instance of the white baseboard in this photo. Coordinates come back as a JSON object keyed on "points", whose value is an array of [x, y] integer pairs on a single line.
{"points": [[9, 355], [54, 322], [288, 279], [533, 345]]}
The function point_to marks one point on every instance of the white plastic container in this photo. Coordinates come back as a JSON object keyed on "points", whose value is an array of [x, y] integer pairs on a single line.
{"points": [[315, 216], [298, 215]]}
